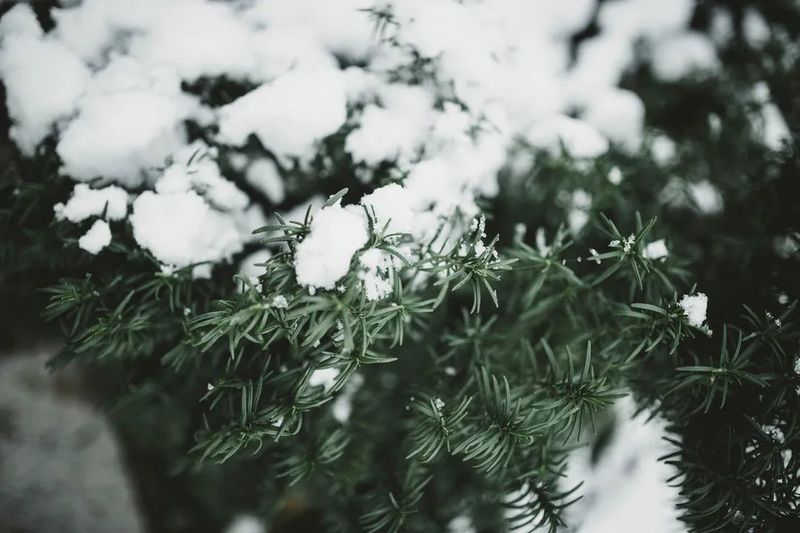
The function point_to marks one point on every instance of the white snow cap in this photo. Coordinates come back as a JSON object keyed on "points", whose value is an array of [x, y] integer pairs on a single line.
{"points": [[43, 79], [180, 229], [694, 307], [324, 256], [86, 202], [289, 114], [97, 238]]}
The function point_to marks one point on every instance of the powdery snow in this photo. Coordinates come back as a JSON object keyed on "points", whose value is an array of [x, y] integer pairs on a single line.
{"points": [[324, 256], [43, 79], [86, 202], [180, 229], [694, 307], [289, 114]]}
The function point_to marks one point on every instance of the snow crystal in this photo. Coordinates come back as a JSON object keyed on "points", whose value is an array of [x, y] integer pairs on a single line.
{"points": [[694, 307], [97, 238], [656, 250], [86, 202], [180, 229], [324, 256], [289, 114], [263, 175]]}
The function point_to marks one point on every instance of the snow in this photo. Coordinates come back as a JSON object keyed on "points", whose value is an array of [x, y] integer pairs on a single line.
{"points": [[181, 229], [129, 121], [614, 176], [97, 238], [343, 404], [246, 524], [683, 54], [756, 30], [578, 213], [324, 256], [663, 150], [705, 197], [392, 206], [694, 307], [325, 377], [619, 115], [579, 138], [263, 175], [376, 273], [626, 490], [394, 130], [198, 171], [770, 125], [656, 250], [43, 79], [86, 202], [289, 114], [249, 267], [501, 71]]}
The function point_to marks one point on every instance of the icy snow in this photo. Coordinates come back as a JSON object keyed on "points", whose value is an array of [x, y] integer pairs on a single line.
{"points": [[324, 256], [97, 238], [86, 202]]}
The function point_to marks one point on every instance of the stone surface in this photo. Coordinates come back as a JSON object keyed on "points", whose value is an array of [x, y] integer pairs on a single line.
{"points": [[60, 464]]}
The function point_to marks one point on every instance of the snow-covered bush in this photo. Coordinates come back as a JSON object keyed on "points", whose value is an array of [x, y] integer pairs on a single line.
{"points": [[405, 253]]}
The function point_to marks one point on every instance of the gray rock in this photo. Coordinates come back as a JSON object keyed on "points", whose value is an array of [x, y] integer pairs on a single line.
{"points": [[60, 465]]}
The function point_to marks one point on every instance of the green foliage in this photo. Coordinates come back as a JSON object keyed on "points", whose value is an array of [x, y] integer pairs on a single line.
{"points": [[455, 407]]}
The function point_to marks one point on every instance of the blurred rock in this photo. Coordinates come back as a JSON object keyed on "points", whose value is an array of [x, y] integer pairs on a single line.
{"points": [[60, 465]]}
